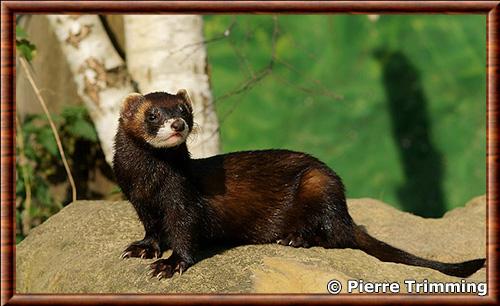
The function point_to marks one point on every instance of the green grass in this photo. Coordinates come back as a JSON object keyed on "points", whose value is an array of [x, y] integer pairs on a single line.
{"points": [[320, 56]]}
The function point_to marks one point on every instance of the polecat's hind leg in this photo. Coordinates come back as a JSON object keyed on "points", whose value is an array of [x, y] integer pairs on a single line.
{"points": [[318, 216], [146, 248], [295, 240]]}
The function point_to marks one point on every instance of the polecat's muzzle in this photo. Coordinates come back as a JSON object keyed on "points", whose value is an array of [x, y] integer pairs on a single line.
{"points": [[178, 125]]}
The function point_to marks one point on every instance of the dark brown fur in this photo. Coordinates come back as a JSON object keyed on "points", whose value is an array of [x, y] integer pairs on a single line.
{"points": [[239, 198]]}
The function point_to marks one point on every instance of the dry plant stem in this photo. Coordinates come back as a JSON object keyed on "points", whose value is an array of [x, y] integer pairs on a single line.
{"points": [[26, 226], [53, 126]]}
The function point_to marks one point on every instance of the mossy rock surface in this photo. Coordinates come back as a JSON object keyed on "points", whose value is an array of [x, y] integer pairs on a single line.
{"points": [[78, 249]]}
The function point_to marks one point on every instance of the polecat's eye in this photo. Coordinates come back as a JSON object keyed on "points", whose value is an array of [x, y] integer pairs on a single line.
{"points": [[152, 117], [181, 108]]}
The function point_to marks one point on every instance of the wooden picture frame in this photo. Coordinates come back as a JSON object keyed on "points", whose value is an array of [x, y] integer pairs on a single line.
{"points": [[11, 8]]}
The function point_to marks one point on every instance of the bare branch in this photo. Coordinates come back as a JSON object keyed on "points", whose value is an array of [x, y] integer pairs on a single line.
{"points": [[257, 76], [243, 59], [324, 90], [261, 74], [201, 44]]}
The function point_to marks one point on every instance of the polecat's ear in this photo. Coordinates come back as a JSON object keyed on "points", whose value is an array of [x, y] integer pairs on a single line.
{"points": [[185, 96], [130, 105]]}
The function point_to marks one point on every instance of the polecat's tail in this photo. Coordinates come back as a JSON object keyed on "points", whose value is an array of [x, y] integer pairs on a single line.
{"points": [[388, 253]]}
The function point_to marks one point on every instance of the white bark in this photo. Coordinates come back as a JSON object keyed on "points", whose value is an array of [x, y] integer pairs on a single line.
{"points": [[98, 71], [167, 53]]}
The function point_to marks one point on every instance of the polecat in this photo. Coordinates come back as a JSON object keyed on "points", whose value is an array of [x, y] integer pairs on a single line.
{"points": [[249, 197]]}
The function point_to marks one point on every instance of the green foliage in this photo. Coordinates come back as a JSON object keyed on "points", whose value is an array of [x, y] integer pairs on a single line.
{"points": [[320, 56], [77, 123], [23, 45], [20, 32], [39, 162]]}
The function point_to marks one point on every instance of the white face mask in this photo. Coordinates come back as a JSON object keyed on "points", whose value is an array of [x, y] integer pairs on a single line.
{"points": [[168, 136]]}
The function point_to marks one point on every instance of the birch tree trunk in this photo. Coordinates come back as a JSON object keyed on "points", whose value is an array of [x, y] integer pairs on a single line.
{"points": [[166, 53], [98, 72]]}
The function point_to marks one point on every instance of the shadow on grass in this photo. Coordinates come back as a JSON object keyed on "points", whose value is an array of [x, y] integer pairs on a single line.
{"points": [[422, 192]]}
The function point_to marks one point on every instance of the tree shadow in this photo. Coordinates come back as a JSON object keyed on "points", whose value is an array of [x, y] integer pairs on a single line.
{"points": [[422, 192]]}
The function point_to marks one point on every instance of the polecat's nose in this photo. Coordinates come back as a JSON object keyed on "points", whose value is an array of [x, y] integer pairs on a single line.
{"points": [[178, 125]]}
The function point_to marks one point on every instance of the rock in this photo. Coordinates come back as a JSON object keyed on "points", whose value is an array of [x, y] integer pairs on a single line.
{"points": [[77, 251]]}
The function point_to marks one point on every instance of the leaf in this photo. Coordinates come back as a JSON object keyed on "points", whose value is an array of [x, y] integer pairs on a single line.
{"points": [[20, 32], [19, 238], [83, 129], [26, 48], [34, 211], [18, 217], [29, 127], [30, 152], [47, 140], [57, 119], [115, 190], [76, 111], [42, 193], [20, 186]]}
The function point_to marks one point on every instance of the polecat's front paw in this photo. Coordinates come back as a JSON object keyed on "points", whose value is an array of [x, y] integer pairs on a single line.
{"points": [[166, 268], [294, 240], [142, 249]]}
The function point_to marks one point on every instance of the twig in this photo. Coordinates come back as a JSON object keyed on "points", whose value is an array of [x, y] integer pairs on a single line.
{"points": [[26, 225], [243, 59], [232, 109], [198, 45], [52, 125], [205, 42], [324, 89], [248, 84], [261, 74]]}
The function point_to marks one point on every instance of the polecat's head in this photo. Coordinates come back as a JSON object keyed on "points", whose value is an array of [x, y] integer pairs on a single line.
{"points": [[160, 119]]}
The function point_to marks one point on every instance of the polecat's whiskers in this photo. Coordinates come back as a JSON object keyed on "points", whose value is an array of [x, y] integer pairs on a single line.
{"points": [[193, 136]]}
